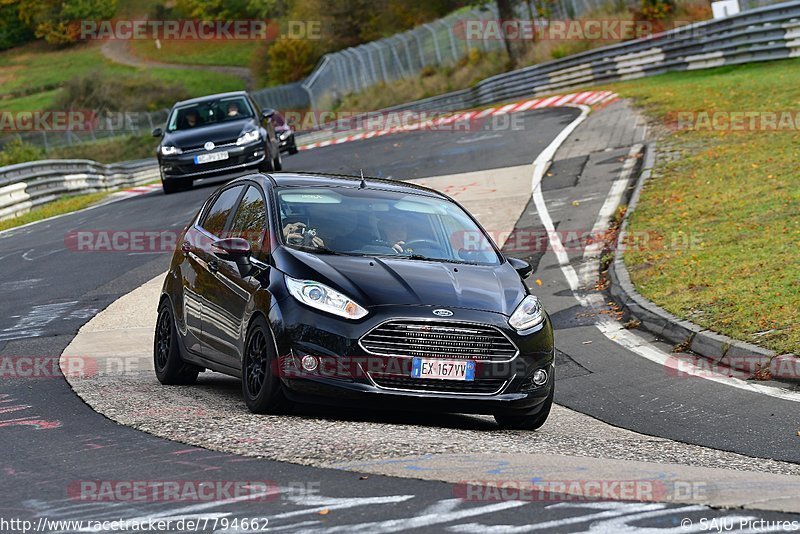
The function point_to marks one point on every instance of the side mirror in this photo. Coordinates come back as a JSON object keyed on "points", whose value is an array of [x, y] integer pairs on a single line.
{"points": [[234, 249], [157, 132], [267, 113], [522, 267]]}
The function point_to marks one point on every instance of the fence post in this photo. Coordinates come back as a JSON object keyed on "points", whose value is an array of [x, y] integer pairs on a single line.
{"points": [[400, 67], [403, 37], [449, 28], [417, 38], [435, 43]]}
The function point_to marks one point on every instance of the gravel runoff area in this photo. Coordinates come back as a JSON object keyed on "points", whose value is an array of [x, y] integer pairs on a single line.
{"points": [[211, 414]]}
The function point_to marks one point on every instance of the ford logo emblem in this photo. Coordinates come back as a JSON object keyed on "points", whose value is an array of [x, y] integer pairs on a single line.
{"points": [[209, 146], [443, 313]]}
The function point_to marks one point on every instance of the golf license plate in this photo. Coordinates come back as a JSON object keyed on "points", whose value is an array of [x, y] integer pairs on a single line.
{"points": [[443, 369], [210, 158]]}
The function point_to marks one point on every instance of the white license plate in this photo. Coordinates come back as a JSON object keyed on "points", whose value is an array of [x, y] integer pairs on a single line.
{"points": [[210, 158], [443, 369]]}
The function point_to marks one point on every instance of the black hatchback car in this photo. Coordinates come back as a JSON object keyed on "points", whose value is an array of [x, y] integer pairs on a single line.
{"points": [[216, 135], [340, 290]]}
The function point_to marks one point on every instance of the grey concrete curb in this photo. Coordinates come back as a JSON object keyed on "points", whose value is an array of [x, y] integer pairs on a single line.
{"points": [[739, 355]]}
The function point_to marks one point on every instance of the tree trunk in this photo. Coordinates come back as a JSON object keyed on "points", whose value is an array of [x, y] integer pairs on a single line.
{"points": [[514, 46]]}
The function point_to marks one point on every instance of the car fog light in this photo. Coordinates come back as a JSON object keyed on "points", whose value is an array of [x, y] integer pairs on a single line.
{"points": [[540, 377], [309, 363]]}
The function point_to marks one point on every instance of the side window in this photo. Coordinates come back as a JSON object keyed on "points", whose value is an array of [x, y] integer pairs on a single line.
{"points": [[214, 221], [250, 221]]}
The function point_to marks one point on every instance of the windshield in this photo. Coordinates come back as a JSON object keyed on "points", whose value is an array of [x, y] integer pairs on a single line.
{"points": [[209, 112], [370, 222]]}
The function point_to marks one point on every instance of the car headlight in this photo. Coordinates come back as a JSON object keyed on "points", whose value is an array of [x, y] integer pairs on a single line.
{"points": [[249, 137], [528, 314], [283, 136], [323, 298], [170, 150]]}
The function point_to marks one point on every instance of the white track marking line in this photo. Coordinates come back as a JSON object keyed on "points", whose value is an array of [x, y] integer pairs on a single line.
{"points": [[612, 329]]}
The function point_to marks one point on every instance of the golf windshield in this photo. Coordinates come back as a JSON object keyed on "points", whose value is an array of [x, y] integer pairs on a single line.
{"points": [[209, 112], [374, 222]]}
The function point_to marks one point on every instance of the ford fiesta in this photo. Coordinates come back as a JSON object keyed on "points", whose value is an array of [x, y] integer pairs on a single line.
{"points": [[216, 135], [352, 291]]}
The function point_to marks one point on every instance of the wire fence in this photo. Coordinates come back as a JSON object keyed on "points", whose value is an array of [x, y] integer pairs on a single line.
{"points": [[404, 55]]}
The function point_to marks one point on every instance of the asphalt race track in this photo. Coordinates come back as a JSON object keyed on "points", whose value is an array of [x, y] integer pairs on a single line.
{"points": [[52, 440]]}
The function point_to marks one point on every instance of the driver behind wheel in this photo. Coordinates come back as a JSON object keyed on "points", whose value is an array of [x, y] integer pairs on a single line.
{"points": [[395, 228]]}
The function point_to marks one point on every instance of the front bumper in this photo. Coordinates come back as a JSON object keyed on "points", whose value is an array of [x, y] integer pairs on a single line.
{"points": [[239, 158], [349, 375]]}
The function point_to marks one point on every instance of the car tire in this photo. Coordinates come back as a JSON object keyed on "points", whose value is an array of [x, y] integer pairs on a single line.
{"points": [[261, 386], [167, 360], [528, 422], [293, 148], [268, 165]]}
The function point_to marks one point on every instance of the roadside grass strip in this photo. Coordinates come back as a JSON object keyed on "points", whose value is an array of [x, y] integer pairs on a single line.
{"points": [[722, 212]]}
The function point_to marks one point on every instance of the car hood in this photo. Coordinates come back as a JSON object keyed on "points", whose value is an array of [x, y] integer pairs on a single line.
{"points": [[216, 133], [378, 281]]}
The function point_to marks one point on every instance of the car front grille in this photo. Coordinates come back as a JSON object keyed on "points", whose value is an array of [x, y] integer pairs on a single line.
{"points": [[201, 147], [439, 339], [485, 386]]}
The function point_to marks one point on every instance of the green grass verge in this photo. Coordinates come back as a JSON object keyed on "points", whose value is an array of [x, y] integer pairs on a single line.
{"points": [[227, 53], [30, 75], [60, 206], [111, 150], [735, 195]]}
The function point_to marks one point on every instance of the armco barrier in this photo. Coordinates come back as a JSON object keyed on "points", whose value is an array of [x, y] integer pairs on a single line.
{"points": [[762, 34], [27, 185]]}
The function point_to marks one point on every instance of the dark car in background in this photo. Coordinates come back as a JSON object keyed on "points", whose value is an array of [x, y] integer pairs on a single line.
{"points": [[216, 135], [362, 292], [285, 134]]}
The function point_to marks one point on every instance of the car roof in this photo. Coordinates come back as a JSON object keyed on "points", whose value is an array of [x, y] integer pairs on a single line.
{"points": [[306, 179], [210, 97]]}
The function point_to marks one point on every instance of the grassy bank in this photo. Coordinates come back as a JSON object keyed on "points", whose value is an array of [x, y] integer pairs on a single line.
{"points": [[32, 76], [723, 217], [64, 204]]}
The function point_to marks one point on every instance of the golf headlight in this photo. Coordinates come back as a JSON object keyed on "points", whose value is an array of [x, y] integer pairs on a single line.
{"points": [[249, 137], [283, 136], [170, 150], [323, 298], [528, 314]]}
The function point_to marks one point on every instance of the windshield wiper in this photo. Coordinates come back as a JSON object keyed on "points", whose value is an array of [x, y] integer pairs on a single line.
{"points": [[320, 250], [442, 260]]}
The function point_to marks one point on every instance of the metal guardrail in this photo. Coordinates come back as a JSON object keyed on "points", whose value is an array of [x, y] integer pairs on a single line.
{"points": [[762, 34], [27, 185]]}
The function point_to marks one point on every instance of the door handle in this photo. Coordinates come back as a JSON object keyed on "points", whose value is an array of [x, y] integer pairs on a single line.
{"points": [[186, 248], [213, 266]]}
